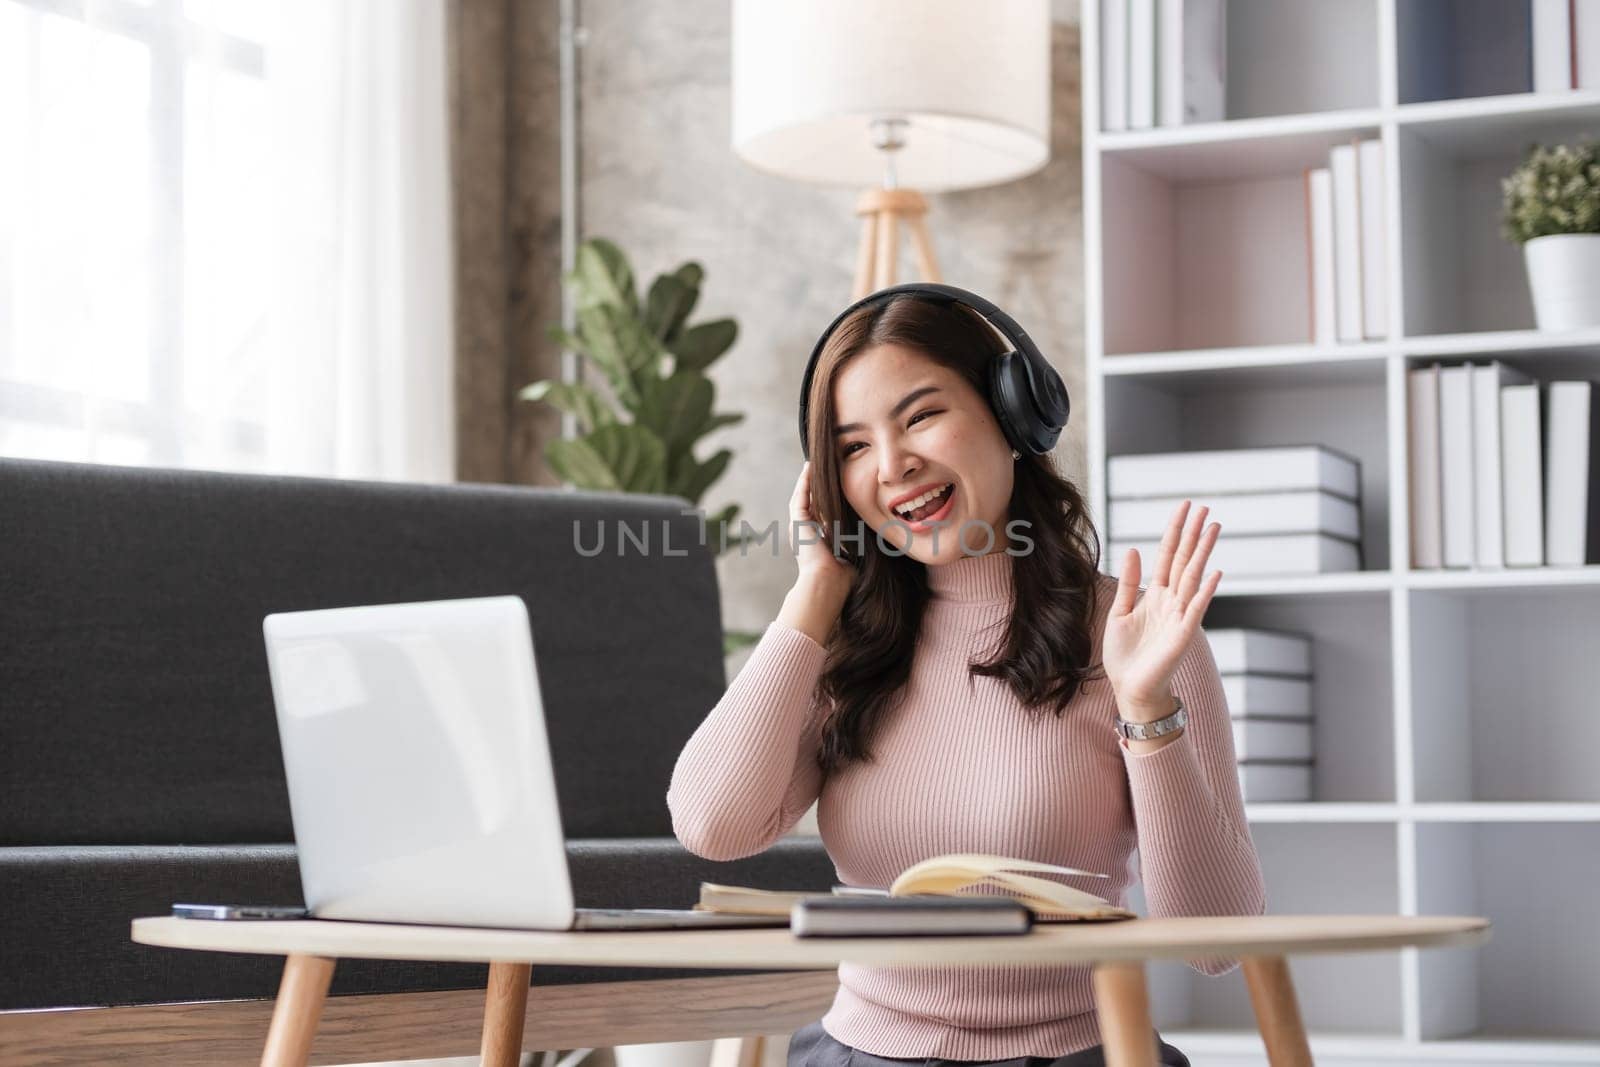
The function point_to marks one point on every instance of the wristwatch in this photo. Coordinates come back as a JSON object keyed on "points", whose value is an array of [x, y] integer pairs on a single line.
{"points": [[1149, 731]]}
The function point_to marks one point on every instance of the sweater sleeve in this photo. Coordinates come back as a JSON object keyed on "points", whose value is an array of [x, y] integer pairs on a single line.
{"points": [[1195, 852], [750, 770]]}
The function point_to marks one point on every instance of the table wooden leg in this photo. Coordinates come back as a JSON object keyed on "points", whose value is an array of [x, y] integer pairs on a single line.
{"points": [[1123, 1006], [504, 1010], [737, 1051], [1277, 1011], [298, 1009]]}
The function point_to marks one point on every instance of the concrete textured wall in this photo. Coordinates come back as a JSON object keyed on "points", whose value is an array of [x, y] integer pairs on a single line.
{"points": [[657, 175]]}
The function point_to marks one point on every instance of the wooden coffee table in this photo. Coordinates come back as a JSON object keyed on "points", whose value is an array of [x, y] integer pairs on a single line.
{"points": [[1117, 951]]}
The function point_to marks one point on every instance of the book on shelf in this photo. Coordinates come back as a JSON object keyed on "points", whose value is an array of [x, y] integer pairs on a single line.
{"points": [[1374, 295], [1271, 739], [1522, 474], [1346, 244], [1552, 46], [947, 875], [1265, 783], [1252, 696], [1162, 63], [1319, 255], [1488, 535], [1274, 554], [1242, 650], [1114, 65], [1141, 64], [1458, 511], [1572, 457], [1238, 470], [1422, 429], [1191, 61], [1346, 241], [1585, 44], [1242, 514]]}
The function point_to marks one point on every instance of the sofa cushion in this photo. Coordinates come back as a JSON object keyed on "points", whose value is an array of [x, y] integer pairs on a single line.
{"points": [[137, 708], [65, 926]]}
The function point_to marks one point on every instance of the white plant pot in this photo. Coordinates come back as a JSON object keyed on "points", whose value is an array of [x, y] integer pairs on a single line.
{"points": [[664, 1054], [1564, 275]]}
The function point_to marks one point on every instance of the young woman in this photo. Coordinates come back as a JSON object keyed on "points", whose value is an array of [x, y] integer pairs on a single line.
{"points": [[938, 690]]}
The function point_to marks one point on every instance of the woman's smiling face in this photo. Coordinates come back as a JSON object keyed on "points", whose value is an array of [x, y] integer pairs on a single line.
{"points": [[904, 424]]}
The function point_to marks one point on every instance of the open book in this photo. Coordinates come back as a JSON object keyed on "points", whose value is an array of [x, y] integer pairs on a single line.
{"points": [[943, 876]]}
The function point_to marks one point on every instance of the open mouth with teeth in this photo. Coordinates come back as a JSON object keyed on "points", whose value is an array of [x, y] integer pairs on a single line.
{"points": [[927, 507]]}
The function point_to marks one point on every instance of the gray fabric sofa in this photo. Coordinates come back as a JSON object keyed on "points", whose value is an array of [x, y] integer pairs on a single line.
{"points": [[139, 760]]}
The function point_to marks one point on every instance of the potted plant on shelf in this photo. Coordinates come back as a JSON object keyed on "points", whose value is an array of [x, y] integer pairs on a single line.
{"points": [[654, 363], [1552, 209]]}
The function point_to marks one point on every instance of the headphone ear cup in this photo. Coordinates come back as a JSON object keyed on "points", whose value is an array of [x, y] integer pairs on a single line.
{"points": [[1030, 403]]}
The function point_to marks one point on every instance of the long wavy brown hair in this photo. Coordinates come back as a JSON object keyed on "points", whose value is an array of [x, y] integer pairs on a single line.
{"points": [[1044, 657]]}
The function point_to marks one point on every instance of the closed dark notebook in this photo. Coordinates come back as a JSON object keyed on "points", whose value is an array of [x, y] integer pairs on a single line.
{"points": [[932, 916]]}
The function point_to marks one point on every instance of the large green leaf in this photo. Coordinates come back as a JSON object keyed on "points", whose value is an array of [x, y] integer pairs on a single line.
{"points": [[720, 533], [697, 477], [570, 341], [577, 399], [578, 463], [675, 408], [601, 276], [700, 346], [627, 459], [623, 348], [668, 305], [690, 274], [716, 422]]}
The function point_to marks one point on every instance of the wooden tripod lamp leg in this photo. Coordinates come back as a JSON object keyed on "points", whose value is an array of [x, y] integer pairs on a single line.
{"points": [[298, 1010], [1277, 1011], [1123, 1005], [888, 249], [864, 257], [504, 1010]]}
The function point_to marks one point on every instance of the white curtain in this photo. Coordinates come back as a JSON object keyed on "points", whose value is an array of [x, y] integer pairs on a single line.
{"points": [[364, 260], [227, 242]]}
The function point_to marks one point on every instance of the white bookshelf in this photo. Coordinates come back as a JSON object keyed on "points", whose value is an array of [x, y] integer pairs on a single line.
{"points": [[1456, 712]]}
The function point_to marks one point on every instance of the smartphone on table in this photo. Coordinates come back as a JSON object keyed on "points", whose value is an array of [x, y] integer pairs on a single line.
{"points": [[238, 911]]}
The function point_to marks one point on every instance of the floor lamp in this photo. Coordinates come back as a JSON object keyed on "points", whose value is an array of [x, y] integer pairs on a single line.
{"points": [[904, 96]]}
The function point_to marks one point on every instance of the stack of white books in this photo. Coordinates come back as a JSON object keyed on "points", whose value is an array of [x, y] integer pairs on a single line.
{"points": [[1345, 245], [1266, 676], [1162, 62], [1503, 469], [1291, 510]]}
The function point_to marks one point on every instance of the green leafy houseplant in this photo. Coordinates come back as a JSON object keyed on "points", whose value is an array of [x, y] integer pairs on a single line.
{"points": [[1552, 209], [655, 363], [1553, 191]]}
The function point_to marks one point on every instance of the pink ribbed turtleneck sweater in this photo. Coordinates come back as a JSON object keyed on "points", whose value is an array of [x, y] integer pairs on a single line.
{"points": [[961, 767]]}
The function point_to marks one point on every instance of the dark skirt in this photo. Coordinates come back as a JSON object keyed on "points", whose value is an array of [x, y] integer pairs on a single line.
{"points": [[812, 1046]]}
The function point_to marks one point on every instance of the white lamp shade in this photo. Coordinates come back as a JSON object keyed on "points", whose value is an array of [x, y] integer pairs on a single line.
{"points": [[970, 77]]}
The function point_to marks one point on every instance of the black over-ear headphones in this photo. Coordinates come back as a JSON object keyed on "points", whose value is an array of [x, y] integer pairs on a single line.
{"points": [[1029, 398]]}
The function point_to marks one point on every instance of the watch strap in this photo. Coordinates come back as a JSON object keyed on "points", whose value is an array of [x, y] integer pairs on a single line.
{"points": [[1149, 731]]}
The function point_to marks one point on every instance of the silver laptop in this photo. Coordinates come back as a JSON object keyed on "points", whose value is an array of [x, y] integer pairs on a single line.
{"points": [[420, 780]]}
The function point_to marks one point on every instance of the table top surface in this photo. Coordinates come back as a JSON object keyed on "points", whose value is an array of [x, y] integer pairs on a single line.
{"points": [[775, 948]]}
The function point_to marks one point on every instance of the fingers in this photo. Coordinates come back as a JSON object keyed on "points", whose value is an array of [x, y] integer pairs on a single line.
{"points": [[1186, 546], [800, 501], [1169, 544], [1190, 582], [1197, 607], [1128, 585]]}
